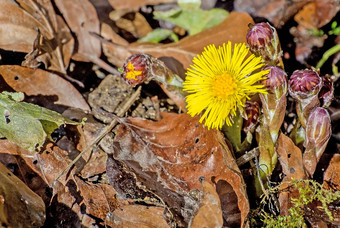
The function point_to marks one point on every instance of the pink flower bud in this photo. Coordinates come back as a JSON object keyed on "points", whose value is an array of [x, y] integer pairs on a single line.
{"points": [[259, 35], [318, 132], [136, 69], [276, 79], [304, 83], [263, 41]]}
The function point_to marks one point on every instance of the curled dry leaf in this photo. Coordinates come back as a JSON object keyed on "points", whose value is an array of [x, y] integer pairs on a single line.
{"points": [[19, 205], [165, 160], [42, 87], [21, 18], [234, 28], [209, 214], [290, 158]]}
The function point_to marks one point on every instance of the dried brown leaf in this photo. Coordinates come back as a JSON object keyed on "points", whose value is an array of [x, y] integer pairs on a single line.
{"points": [[332, 174], [136, 4], [209, 214], [45, 88], [316, 14], [290, 157], [19, 205], [21, 18], [168, 157], [131, 216], [132, 22], [277, 12], [99, 199], [234, 28], [81, 16]]}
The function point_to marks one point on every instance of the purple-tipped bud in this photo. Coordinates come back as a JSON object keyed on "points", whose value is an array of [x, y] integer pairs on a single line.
{"points": [[318, 132], [304, 87], [304, 83], [276, 79], [326, 93], [259, 35], [136, 69], [263, 41], [252, 110]]}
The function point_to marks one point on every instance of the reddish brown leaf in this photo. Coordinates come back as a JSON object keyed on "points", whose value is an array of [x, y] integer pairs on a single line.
{"points": [[209, 214], [168, 157], [332, 174], [37, 83], [290, 158], [81, 16], [234, 28], [18, 32], [99, 199], [131, 216], [316, 14], [19, 205]]}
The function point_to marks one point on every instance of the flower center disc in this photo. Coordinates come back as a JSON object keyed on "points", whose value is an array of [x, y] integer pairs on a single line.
{"points": [[223, 86]]}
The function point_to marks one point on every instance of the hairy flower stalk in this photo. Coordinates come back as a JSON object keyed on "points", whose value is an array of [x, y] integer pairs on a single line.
{"points": [[318, 132], [263, 40], [274, 106], [304, 87], [220, 81], [140, 68]]}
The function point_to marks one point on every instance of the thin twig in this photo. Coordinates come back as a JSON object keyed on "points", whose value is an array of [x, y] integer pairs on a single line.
{"points": [[105, 131], [248, 156]]}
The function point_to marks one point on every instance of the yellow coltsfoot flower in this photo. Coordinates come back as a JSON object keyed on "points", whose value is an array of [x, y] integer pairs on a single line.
{"points": [[220, 81]]}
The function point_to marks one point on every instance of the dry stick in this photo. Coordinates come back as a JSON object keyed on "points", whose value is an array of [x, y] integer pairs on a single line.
{"points": [[106, 130]]}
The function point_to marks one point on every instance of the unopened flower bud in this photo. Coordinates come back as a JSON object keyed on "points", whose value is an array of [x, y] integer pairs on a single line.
{"points": [[274, 102], [252, 110], [304, 87], [136, 69], [141, 68], [304, 83], [276, 81], [326, 93], [263, 40], [318, 132]]}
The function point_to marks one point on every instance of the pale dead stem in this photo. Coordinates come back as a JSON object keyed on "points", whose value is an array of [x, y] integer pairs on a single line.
{"points": [[104, 131]]}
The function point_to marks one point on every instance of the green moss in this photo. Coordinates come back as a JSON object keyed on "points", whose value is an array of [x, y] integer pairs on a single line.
{"points": [[310, 191]]}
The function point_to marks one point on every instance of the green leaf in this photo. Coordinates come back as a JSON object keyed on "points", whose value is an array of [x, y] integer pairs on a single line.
{"points": [[26, 124], [189, 4], [193, 20], [158, 35]]}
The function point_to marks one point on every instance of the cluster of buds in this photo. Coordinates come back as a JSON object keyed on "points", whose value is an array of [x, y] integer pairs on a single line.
{"points": [[304, 87], [308, 89], [142, 68], [263, 40]]}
